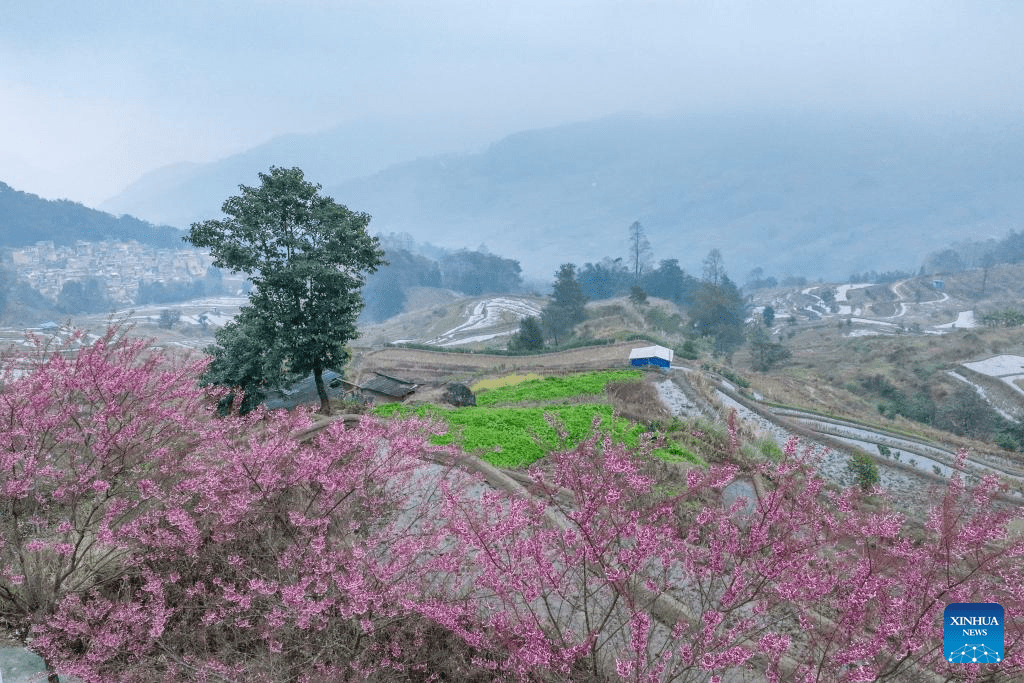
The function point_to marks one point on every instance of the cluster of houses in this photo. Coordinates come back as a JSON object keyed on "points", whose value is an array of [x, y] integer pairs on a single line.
{"points": [[122, 266]]}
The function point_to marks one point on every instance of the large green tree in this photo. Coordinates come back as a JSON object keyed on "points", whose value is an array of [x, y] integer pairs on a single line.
{"points": [[307, 257]]}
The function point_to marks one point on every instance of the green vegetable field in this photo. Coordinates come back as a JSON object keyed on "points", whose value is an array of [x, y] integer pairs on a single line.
{"points": [[549, 388], [516, 436]]}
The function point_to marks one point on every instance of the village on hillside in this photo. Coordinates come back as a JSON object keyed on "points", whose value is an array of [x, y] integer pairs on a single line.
{"points": [[121, 266]]}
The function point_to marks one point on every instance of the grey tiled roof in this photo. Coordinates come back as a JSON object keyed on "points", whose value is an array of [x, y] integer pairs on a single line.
{"points": [[389, 386], [304, 391]]}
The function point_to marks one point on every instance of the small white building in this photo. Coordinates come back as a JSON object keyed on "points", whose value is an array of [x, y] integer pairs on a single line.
{"points": [[651, 355]]}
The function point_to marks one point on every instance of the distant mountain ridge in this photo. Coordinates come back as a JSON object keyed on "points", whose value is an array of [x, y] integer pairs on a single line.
{"points": [[814, 195], [185, 193], [818, 197], [26, 218]]}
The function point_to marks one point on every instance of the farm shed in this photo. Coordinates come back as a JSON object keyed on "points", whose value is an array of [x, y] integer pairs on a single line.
{"points": [[385, 388], [651, 355], [304, 391]]}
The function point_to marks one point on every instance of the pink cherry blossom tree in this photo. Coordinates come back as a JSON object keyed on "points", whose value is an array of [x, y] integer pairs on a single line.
{"points": [[143, 539], [601, 575], [85, 429]]}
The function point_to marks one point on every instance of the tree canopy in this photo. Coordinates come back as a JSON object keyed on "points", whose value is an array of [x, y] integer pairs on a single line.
{"points": [[83, 297], [718, 309], [530, 337], [308, 258], [764, 352], [609, 278], [604, 280], [714, 268], [385, 290], [29, 218], [562, 314], [475, 272]]}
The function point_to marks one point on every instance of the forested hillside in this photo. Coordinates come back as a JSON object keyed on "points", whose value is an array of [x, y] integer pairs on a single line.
{"points": [[467, 272], [27, 218]]}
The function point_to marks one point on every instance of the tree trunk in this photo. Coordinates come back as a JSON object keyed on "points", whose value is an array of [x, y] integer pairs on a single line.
{"points": [[321, 390], [51, 673]]}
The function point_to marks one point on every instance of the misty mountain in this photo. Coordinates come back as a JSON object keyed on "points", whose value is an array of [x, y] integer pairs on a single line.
{"points": [[794, 194], [27, 218], [185, 193], [802, 195]]}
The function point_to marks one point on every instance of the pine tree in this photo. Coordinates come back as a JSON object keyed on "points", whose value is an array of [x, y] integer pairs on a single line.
{"points": [[567, 308]]}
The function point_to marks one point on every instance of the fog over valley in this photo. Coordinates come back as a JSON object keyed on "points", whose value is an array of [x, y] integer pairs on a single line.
{"points": [[801, 139]]}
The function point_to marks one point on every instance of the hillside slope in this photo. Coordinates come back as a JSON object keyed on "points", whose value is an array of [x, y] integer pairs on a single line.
{"points": [[27, 218]]}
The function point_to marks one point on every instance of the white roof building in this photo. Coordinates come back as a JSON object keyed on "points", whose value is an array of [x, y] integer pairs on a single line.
{"points": [[651, 355]]}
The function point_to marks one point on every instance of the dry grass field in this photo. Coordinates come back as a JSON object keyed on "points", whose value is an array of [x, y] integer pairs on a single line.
{"points": [[432, 367]]}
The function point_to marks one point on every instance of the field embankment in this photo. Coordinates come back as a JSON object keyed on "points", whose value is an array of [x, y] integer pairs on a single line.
{"points": [[439, 366]]}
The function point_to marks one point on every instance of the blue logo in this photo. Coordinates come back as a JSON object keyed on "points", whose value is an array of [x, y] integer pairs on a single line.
{"points": [[974, 632]]}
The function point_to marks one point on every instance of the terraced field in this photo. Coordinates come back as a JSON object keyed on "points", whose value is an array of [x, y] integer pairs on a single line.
{"points": [[514, 426]]}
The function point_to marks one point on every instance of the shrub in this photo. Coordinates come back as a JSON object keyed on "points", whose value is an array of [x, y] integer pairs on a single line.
{"points": [[771, 450], [688, 350], [757, 587], [143, 539], [865, 470]]}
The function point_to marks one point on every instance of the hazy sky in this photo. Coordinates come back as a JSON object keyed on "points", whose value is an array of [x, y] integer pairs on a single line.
{"points": [[93, 93]]}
